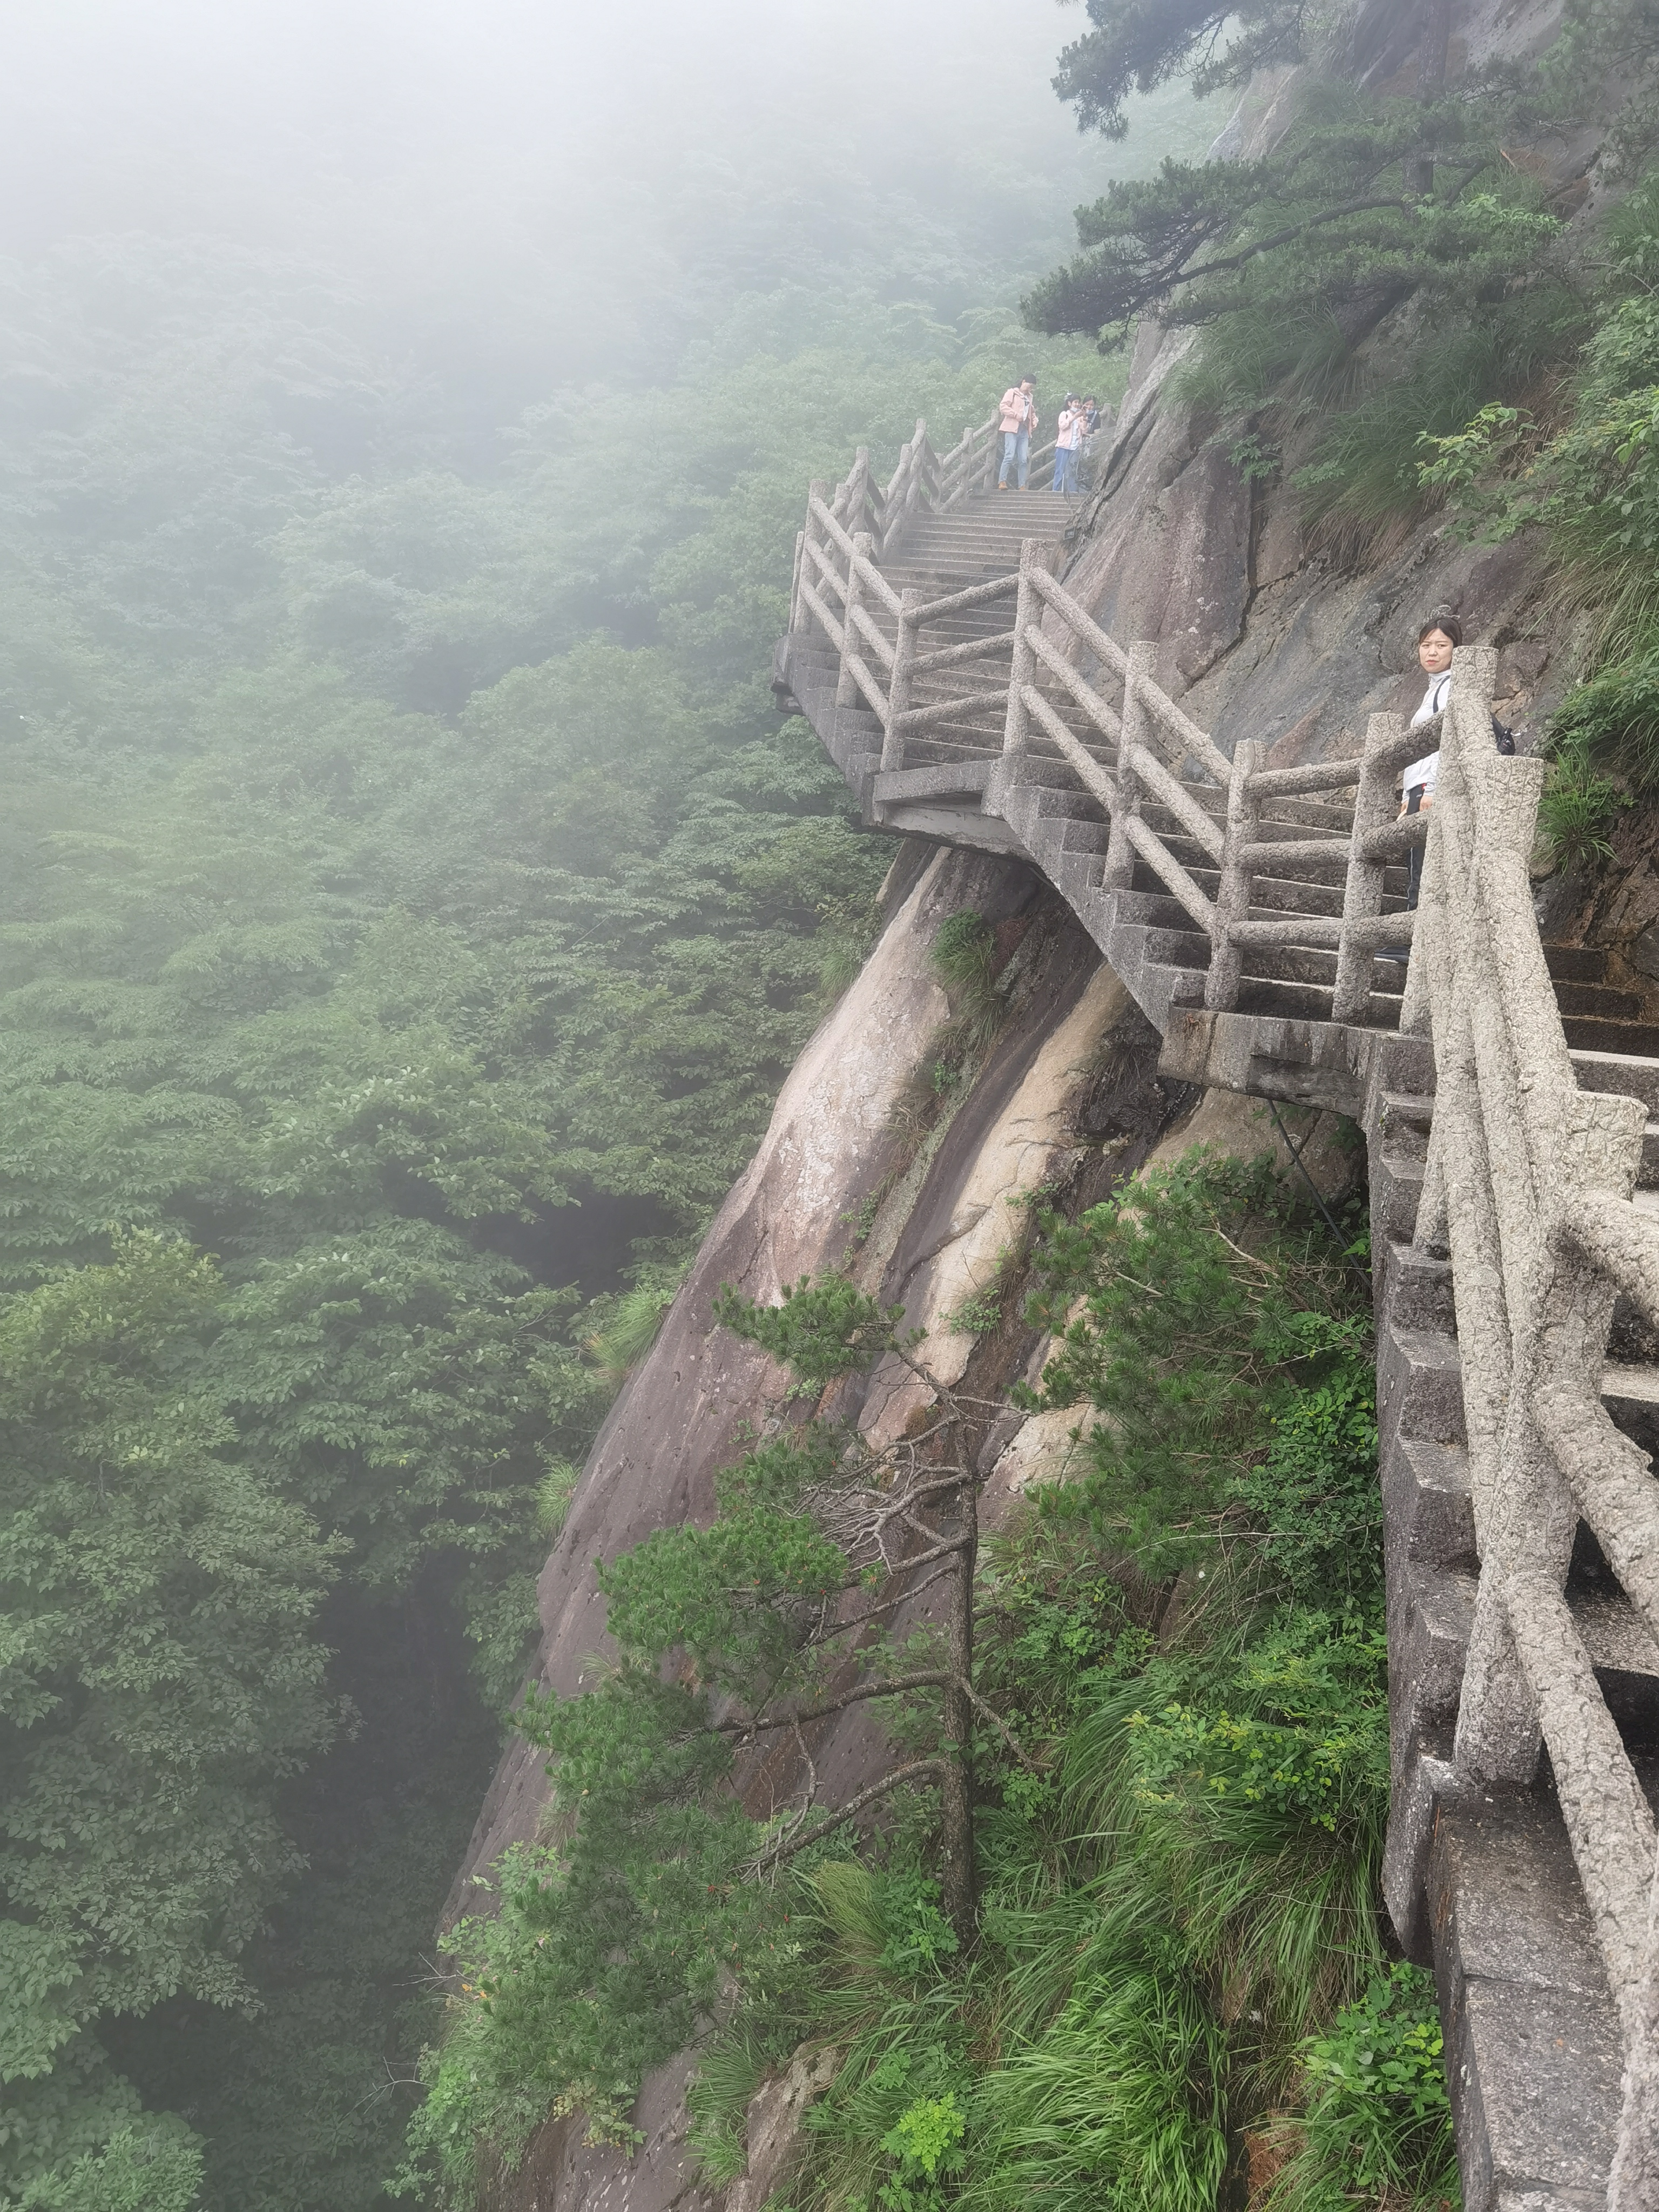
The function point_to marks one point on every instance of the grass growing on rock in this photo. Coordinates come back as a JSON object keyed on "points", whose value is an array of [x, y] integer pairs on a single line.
{"points": [[1179, 1965]]}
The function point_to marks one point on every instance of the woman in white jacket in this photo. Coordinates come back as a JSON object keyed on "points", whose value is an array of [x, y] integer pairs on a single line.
{"points": [[1437, 648]]}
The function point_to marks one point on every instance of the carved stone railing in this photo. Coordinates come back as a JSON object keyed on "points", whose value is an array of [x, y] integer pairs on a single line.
{"points": [[839, 587], [1161, 754], [1529, 1185]]}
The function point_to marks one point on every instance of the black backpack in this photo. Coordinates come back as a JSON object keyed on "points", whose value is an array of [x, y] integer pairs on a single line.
{"points": [[1502, 736]]}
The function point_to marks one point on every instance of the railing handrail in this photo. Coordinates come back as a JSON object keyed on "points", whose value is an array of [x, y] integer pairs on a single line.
{"points": [[1528, 1182]]}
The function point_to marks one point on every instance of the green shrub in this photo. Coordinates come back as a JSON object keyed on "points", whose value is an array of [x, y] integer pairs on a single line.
{"points": [[153, 2166], [1377, 2117], [1364, 488], [1207, 1299], [1314, 1496]]}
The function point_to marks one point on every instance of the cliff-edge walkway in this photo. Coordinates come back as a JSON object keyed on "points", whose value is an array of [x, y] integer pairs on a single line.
{"points": [[1509, 1096]]}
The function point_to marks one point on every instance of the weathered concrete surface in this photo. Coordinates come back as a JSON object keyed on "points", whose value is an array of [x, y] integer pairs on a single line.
{"points": [[1227, 1121]]}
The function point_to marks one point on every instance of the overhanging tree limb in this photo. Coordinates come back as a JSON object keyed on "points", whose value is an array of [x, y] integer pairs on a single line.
{"points": [[776, 1856]]}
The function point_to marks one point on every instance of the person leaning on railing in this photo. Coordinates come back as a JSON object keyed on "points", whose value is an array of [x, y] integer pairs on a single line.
{"points": [[1016, 419], [1437, 648]]}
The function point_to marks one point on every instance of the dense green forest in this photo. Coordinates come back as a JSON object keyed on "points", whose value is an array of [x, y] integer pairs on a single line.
{"points": [[409, 903]]}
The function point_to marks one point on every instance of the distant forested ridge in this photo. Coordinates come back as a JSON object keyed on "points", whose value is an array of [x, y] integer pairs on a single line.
{"points": [[409, 904]]}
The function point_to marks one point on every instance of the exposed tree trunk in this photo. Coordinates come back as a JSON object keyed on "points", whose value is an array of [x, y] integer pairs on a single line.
{"points": [[959, 1886], [1431, 57]]}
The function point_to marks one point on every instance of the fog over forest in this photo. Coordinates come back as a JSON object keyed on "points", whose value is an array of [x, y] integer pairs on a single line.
{"points": [[410, 902], [524, 197]]}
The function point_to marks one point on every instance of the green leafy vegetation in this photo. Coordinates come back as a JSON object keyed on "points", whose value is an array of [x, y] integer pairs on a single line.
{"points": [[1377, 2113], [609, 1950], [1224, 1368], [1364, 203], [1591, 485], [1178, 1756]]}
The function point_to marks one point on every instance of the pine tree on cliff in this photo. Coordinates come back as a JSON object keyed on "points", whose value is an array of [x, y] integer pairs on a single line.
{"points": [[1387, 182], [616, 1939]]}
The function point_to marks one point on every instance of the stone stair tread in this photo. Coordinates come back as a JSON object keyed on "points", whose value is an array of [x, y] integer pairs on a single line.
{"points": [[1629, 1383], [1409, 1106]]}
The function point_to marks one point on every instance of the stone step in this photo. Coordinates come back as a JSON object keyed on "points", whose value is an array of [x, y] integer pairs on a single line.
{"points": [[1632, 1075], [1307, 1002], [1575, 963], [1405, 1110], [1598, 1001], [1628, 1039]]}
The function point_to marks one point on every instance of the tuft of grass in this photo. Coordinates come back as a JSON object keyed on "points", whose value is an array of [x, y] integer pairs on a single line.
{"points": [[1298, 362], [965, 958], [840, 968], [629, 1331], [1363, 492], [729, 2072], [553, 1495], [1121, 2100], [1579, 807]]}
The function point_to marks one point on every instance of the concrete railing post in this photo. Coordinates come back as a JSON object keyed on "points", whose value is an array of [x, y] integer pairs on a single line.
{"points": [[794, 583], [808, 571], [894, 502], [1028, 612], [898, 690], [1119, 853], [1633, 2183], [1232, 896], [847, 690], [1362, 890], [857, 517], [919, 451]]}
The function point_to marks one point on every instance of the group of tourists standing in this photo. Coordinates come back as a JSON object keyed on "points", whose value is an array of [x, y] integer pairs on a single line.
{"points": [[1017, 422]]}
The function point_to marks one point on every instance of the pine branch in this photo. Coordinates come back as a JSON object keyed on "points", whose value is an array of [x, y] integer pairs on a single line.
{"points": [[776, 1855], [933, 1680]]}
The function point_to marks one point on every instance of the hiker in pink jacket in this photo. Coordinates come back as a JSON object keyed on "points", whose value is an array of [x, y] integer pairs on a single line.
{"points": [[1016, 419]]}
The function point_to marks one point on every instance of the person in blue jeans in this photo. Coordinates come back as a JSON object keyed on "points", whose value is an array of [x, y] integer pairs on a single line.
{"points": [[1016, 419], [1068, 445]]}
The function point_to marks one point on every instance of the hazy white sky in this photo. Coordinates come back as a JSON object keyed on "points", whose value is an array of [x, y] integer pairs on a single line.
{"points": [[535, 185], [158, 104]]}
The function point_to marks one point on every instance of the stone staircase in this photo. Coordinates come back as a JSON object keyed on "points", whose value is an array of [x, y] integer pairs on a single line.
{"points": [[949, 788], [1486, 1880]]}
